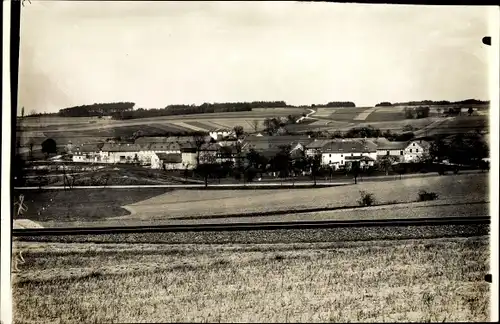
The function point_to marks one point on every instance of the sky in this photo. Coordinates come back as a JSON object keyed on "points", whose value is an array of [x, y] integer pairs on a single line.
{"points": [[160, 53]]}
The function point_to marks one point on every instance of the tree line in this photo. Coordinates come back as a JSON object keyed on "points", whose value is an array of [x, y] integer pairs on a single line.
{"points": [[362, 132], [434, 103], [335, 104], [182, 109], [97, 109], [416, 112]]}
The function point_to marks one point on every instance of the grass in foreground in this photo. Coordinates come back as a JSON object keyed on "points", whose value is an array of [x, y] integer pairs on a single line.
{"points": [[413, 280]]}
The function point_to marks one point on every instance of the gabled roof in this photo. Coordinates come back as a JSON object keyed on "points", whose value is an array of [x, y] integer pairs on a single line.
{"points": [[221, 129], [165, 139], [209, 147], [170, 157], [360, 158], [267, 142], [164, 146], [111, 147], [393, 146], [86, 148], [318, 144], [342, 146], [422, 143]]}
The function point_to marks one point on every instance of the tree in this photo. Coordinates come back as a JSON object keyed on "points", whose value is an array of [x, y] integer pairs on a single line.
{"points": [[385, 162], [255, 125], [422, 112], [407, 128], [355, 170], [291, 119], [438, 150], [314, 164], [238, 131], [49, 146], [282, 161], [470, 111], [208, 166], [198, 142], [22, 112], [409, 113], [30, 146]]}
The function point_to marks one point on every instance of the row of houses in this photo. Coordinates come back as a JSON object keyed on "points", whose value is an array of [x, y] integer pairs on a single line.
{"points": [[339, 152], [179, 153]]}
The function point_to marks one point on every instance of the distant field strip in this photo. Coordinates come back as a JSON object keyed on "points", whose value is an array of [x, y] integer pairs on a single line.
{"points": [[398, 109], [324, 112], [188, 126], [204, 125], [384, 116], [345, 114], [365, 114]]}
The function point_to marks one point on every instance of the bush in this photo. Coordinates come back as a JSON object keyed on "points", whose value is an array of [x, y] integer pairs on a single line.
{"points": [[367, 199], [426, 196]]}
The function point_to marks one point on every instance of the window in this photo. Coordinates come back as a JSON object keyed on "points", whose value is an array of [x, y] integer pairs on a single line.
{"points": [[342, 162], [411, 150], [388, 152], [417, 150], [122, 157], [413, 144], [330, 155], [400, 152], [352, 154], [341, 155]]}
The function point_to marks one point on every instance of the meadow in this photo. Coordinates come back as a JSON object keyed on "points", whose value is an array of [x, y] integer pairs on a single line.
{"points": [[185, 203], [426, 280], [81, 204]]}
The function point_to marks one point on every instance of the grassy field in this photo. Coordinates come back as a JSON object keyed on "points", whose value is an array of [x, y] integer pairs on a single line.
{"points": [[182, 203], [148, 204], [78, 204], [460, 124], [378, 281]]}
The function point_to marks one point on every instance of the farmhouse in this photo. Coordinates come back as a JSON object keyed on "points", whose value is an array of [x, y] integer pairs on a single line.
{"points": [[154, 155], [388, 148], [220, 133], [415, 150], [339, 153], [170, 161], [86, 153], [264, 143]]}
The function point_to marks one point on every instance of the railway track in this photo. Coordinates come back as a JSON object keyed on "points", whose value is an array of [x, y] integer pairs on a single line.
{"points": [[259, 226]]}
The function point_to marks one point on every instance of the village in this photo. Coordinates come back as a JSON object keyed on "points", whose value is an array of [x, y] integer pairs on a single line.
{"points": [[223, 146]]}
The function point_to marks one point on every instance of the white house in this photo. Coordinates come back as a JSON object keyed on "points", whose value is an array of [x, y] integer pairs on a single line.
{"points": [[388, 148], [153, 155], [339, 153], [220, 133], [415, 150]]}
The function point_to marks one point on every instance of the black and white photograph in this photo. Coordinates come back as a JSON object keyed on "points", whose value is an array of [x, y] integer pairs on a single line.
{"points": [[253, 161]]}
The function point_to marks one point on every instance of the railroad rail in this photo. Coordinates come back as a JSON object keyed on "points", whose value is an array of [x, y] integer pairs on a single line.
{"points": [[260, 226]]}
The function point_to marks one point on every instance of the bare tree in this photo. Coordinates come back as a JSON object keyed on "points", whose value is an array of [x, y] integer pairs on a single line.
{"points": [[198, 140], [30, 145], [255, 125]]}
